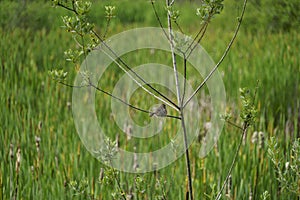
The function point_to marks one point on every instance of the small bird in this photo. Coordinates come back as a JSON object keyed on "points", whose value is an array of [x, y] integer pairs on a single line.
{"points": [[160, 111]]}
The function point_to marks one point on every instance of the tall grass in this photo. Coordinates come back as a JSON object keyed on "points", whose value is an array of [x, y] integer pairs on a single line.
{"points": [[29, 98]]}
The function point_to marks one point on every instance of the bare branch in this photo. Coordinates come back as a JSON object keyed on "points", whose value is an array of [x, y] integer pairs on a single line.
{"points": [[72, 86], [139, 84], [130, 105], [240, 19], [114, 97], [244, 129], [195, 38], [184, 81], [233, 124], [171, 36], [166, 101], [203, 30], [169, 101], [178, 26], [66, 7], [187, 159], [158, 19]]}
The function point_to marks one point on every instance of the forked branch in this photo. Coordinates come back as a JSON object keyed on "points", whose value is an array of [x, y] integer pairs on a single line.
{"points": [[161, 97], [240, 19], [187, 159]]}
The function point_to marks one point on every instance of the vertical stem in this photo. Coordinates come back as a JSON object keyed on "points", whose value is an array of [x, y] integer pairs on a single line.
{"points": [[245, 128], [184, 81], [171, 36], [187, 158]]}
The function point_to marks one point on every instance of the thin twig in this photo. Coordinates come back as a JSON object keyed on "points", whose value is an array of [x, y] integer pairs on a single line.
{"points": [[195, 38], [107, 93], [138, 76], [171, 103], [73, 5], [161, 26], [171, 36], [199, 40], [72, 86], [171, 116], [244, 130], [66, 7], [233, 124], [115, 97], [139, 84], [130, 105], [240, 19], [119, 99], [159, 21], [184, 81], [168, 38], [178, 26], [245, 127], [83, 48], [176, 107]]}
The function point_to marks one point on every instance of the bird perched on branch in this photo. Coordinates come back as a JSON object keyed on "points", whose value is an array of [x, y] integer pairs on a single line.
{"points": [[160, 111]]}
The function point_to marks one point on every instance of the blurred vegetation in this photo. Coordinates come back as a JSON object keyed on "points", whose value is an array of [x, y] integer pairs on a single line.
{"points": [[267, 15]]}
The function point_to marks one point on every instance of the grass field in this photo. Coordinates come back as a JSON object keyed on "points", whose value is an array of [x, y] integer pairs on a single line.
{"points": [[36, 115]]}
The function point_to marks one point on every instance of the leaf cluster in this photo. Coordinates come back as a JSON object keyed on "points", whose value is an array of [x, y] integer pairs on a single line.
{"points": [[249, 111], [209, 8], [287, 168], [58, 75]]}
